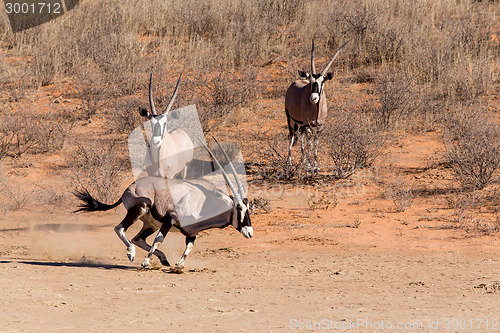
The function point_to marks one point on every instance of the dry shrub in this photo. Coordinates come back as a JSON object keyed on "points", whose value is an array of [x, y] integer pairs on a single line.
{"points": [[472, 141], [53, 131], [217, 95], [395, 92], [90, 90], [123, 116], [92, 35], [352, 142], [401, 193], [446, 45], [23, 132], [377, 38], [269, 155], [449, 54], [50, 198], [14, 195], [98, 168], [469, 80], [260, 205], [273, 154], [466, 206], [321, 201]]}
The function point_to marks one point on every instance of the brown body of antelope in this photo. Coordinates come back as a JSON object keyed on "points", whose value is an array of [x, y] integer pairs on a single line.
{"points": [[306, 109], [161, 202]]}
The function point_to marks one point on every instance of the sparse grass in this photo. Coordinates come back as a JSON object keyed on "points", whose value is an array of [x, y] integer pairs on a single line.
{"points": [[356, 223], [321, 201]]}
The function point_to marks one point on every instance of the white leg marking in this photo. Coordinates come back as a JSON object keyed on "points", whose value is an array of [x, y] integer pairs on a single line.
{"points": [[131, 253], [247, 232], [180, 263], [146, 264], [120, 231], [292, 141], [158, 239]]}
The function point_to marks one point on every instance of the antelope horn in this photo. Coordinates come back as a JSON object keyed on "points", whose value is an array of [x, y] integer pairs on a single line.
{"points": [[313, 66], [173, 96], [226, 177], [323, 73], [151, 102], [233, 170]]}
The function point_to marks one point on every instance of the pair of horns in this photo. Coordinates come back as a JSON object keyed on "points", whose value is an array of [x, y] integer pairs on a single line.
{"points": [[238, 194], [151, 101], [313, 67]]}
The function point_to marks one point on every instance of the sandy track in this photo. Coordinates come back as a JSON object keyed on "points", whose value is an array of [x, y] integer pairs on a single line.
{"points": [[77, 278]]}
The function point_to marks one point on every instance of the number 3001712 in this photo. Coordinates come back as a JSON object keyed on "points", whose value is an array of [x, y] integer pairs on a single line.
{"points": [[33, 8]]}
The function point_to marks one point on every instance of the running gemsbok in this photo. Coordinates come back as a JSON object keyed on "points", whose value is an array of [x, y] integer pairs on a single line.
{"points": [[306, 109], [165, 203], [170, 151]]}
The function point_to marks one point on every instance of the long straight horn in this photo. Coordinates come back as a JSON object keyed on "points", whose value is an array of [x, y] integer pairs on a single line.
{"points": [[313, 66], [226, 177], [233, 170], [151, 102], [323, 73], [173, 96]]}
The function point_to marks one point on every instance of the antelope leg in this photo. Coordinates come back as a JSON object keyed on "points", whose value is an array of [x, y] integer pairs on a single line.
{"points": [[140, 241], [292, 142], [189, 247], [160, 236], [132, 215]]}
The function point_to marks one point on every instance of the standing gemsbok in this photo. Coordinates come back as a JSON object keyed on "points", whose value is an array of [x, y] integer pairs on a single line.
{"points": [[170, 151], [165, 203], [306, 109]]}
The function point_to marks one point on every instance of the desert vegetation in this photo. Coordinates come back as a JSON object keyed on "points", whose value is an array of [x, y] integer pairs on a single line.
{"points": [[72, 87]]}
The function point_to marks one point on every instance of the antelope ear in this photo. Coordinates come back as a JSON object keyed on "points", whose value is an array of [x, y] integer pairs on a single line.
{"points": [[328, 76], [303, 75], [144, 113]]}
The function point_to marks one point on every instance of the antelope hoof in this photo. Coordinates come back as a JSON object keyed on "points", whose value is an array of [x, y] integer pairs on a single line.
{"points": [[180, 265], [146, 264], [131, 253]]}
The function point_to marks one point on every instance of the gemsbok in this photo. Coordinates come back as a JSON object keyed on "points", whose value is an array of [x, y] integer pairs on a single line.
{"points": [[170, 151], [165, 203], [306, 109]]}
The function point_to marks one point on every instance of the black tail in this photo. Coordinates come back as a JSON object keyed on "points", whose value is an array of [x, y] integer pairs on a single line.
{"points": [[90, 204]]}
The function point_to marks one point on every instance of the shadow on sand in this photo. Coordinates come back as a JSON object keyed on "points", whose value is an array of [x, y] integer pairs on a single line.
{"points": [[59, 227], [80, 264]]}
